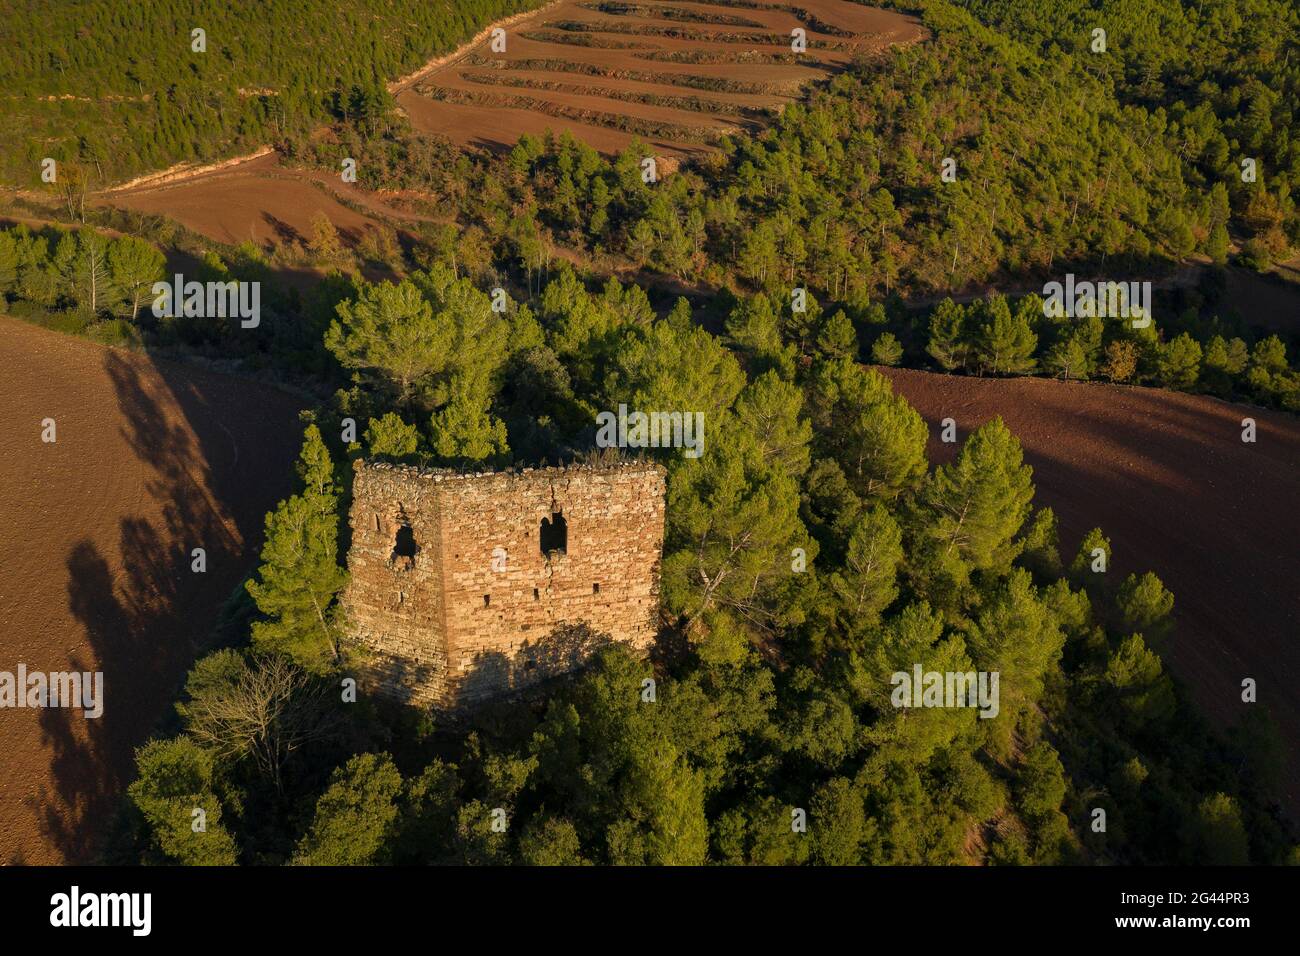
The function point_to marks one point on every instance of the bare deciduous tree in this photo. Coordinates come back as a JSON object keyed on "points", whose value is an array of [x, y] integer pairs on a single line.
{"points": [[266, 708]]}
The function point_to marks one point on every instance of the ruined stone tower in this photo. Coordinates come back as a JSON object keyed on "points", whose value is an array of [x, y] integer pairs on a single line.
{"points": [[465, 587]]}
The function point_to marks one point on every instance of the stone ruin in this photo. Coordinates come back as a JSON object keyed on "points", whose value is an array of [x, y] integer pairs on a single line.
{"points": [[466, 587]]}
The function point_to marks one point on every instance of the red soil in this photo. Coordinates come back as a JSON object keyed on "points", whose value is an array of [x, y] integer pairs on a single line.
{"points": [[256, 201], [1168, 479], [152, 459], [490, 121]]}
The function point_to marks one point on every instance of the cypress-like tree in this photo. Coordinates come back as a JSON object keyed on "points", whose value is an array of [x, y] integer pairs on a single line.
{"points": [[300, 575]]}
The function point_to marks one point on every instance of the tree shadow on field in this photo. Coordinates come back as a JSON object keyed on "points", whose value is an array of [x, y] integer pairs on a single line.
{"points": [[145, 611], [282, 230]]}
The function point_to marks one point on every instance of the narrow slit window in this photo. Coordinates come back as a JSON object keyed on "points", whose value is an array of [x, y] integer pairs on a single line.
{"points": [[595, 588], [487, 600]]}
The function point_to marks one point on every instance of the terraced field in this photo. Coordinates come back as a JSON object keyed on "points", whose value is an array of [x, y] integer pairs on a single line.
{"points": [[677, 75]]}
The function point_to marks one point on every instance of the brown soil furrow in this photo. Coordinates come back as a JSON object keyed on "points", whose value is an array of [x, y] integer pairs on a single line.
{"points": [[583, 39], [661, 11], [645, 94], [500, 129], [672, 124], [695, 80]]}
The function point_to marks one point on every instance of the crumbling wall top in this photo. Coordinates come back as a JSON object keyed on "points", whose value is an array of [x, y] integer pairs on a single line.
{"points": [[622, 466]]}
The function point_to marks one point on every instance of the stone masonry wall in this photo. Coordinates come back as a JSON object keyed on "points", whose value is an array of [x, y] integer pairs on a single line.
{"points": [[395, 605], [480, 610]]}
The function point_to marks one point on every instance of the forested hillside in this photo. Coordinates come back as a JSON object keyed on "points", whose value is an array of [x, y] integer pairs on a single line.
{"points": [[1057, 168], [1223, 77], [809, 554], [814, 550], [118, 88], [1057, 165]]}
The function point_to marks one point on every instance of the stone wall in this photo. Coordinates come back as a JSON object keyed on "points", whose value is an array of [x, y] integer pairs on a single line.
{"points": [[394, 604], [466, 606]]}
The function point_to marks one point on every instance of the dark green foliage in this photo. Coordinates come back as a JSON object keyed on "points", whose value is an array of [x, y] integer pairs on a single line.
{"points": [[176, 780], [1220, 74], [117, 90], [356, 816], [300, 575]]}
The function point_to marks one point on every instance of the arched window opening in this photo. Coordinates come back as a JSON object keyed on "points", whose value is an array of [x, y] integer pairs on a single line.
{"points": [[554, 535], [404, 547]]}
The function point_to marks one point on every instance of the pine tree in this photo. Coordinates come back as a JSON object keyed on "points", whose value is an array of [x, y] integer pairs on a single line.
{"points": [[1040, 552], [135, 265], [300, 575], [356, 817], [1180, 362], [175, 778], [1093, 556], [769, 408], [1016, 635], [836, 338], [1134, 673], [1067, 359], [733, 523], [92, 279], [1145, 604], [1004, 343], [390, 437], [464, 429], [866, 585], [1269, 354], [948, 345], [837, 823], [1215, 834], [876, 436], [9, 259], [753, 329], [886, 350], [388, 335], [973, 508]]}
